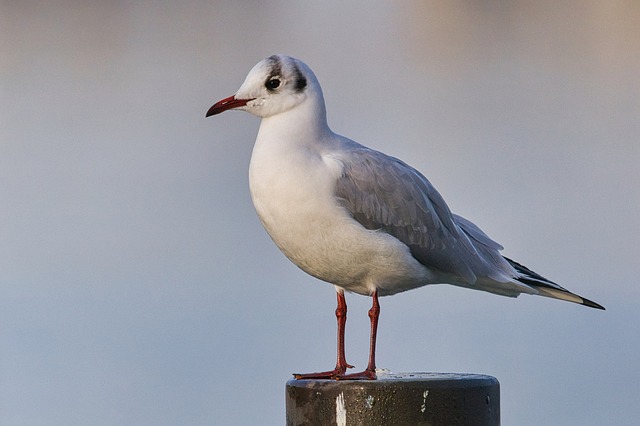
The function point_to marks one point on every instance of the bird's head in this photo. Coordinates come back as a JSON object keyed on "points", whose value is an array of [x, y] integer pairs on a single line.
{"points": [[274, 85]]}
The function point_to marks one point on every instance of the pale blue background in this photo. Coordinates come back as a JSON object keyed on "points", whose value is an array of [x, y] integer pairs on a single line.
{"points": [[137, 286]]}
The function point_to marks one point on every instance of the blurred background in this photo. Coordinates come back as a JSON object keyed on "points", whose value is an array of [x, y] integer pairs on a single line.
{"points": [[138, 287]]}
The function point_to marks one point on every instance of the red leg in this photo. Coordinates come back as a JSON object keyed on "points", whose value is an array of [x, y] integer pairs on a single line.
{"points": [[370, 372], [341, 315], [341, 363]]}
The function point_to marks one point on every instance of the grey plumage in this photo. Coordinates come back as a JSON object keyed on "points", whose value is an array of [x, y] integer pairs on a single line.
{"points": [[384, 193]]}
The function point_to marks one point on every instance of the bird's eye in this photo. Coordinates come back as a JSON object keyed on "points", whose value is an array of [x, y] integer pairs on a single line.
{"points": [[273, 83]]}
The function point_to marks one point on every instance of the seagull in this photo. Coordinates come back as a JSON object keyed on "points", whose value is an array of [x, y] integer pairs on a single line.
{"points": [[354, 217]]}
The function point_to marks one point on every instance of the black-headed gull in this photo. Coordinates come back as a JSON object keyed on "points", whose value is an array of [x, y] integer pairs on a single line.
{"points": [[357, 218]]}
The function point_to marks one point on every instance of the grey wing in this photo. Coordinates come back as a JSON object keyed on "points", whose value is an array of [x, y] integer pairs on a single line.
{"points": [[383, 193]]}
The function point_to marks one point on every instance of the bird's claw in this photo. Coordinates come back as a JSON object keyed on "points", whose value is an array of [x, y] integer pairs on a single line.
{"points": [[337, 374], [363, 375], [334, 374]]}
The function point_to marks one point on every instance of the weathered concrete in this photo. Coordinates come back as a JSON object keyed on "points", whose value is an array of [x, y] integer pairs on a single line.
{"points": [[395, 399]]}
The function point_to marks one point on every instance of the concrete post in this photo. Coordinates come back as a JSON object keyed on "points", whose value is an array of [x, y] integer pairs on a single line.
{"points": [[395, 399]]}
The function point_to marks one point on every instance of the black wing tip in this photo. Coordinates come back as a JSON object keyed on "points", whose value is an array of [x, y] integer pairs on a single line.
{"points": [[536, 280], [591, 304]]}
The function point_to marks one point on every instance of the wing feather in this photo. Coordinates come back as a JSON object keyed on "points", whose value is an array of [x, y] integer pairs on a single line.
{"points": [[384, 193]]}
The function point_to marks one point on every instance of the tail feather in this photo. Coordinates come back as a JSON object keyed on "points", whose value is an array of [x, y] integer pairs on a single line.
{"points": [[548, 288]]}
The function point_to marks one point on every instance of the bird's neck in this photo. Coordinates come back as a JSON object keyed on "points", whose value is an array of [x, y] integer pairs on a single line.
{"points": [[303, 125]]}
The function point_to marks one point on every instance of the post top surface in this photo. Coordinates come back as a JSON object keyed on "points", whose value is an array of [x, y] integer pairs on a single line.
{"points": [[387, 378]]}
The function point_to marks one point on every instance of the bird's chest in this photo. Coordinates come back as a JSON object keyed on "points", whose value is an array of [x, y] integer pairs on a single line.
{"points": [[293, 195]]}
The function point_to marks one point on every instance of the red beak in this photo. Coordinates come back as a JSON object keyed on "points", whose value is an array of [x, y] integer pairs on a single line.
{"points": [[225, 104]]}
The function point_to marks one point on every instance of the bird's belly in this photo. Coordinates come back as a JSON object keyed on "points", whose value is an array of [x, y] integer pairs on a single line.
{"points": [[321, 238]]}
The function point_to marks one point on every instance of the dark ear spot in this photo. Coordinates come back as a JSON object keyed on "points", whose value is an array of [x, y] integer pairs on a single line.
{"points": [[300, 82]]}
